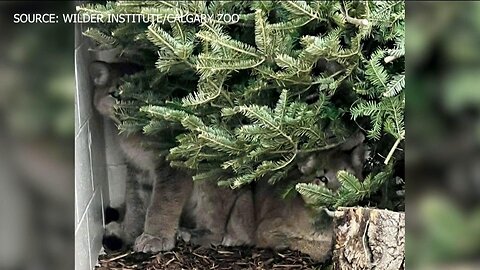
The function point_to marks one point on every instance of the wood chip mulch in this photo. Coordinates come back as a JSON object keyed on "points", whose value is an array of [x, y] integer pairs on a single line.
{"points": [[186, 256]]}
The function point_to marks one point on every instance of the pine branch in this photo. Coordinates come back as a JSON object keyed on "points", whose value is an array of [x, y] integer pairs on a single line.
{"points": [[350, 192], [262, 34], [376, 72], [161, 38], [281, 108], [395, 86], [209, 64], [300, 8], [290, 25], [208, 90], [227, 43], [103, 39], [316, 194], [212, 175]]}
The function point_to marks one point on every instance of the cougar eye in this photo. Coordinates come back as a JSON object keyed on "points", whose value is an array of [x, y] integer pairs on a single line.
{"points": [[320, 180], [324, 179]]}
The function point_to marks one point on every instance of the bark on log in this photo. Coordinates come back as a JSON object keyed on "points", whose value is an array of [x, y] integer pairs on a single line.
{"points": [[369, 239]]}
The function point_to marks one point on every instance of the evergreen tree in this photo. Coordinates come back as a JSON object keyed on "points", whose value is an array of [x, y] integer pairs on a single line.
{"points": [[246, 101]]}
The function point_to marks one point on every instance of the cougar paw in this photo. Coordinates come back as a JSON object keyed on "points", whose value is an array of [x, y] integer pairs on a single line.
{"points": [[184, 234], [113, 238], [147, 243], [201, 237], [230, 241]]}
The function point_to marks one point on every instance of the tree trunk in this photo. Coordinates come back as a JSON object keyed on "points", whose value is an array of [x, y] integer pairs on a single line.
{"points": [[369, 239]]}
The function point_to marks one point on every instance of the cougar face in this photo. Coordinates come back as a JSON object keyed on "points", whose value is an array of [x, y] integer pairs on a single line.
{"points": [[326, 174], [106, 81], [322, 168]]}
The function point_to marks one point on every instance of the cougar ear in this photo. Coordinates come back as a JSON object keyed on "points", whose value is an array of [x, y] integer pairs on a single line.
{"points": [[356, 139], [307, 165], [100, 73]]}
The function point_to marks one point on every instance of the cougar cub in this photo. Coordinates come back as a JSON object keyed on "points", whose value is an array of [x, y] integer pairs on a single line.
{"points": [[157, 196], [322, 168], [288, 223]]}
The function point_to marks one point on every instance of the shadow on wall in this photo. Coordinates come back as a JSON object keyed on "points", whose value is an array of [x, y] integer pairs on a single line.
{"points": [[443, 124]]}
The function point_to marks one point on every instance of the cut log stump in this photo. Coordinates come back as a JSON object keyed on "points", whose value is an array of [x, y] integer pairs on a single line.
{"points": [[369, 239]]}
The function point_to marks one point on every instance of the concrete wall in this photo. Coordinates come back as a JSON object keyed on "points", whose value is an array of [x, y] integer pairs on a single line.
{"points": [[91, 185]]}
